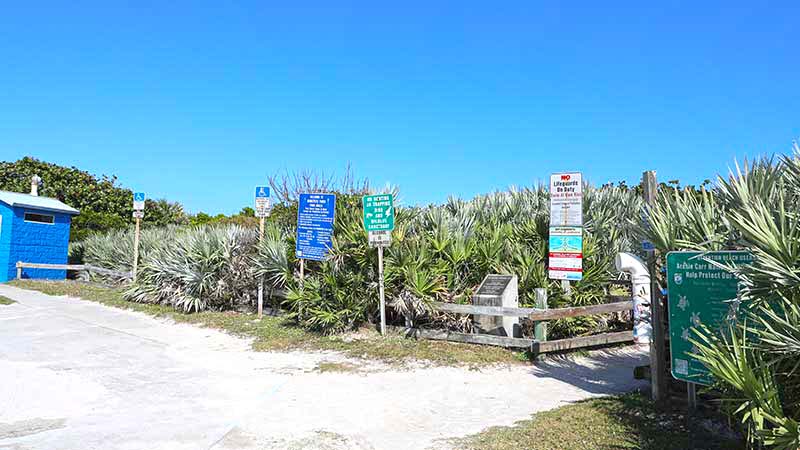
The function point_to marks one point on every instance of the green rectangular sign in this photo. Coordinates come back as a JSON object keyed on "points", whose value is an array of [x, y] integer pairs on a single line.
{"points": [[699, 292], [379, 212]]}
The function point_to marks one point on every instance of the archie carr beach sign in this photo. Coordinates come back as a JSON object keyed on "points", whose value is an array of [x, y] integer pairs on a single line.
{"points": [[701, 292]]}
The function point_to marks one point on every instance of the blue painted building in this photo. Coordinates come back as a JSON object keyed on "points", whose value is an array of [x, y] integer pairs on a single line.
{"points": [[33, 229]]}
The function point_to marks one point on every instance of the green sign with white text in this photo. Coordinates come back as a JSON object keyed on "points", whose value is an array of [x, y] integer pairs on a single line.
{"points": [[699, 292], [378, 212]]}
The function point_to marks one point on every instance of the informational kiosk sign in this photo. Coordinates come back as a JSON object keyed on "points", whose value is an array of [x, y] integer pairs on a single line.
{"points": [[565, 260], [315, 214], [700, 292], [497, 290], [262, 201]]}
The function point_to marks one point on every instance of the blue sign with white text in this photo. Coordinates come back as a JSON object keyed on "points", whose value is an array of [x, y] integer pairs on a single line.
{"points": [[315, 214]]}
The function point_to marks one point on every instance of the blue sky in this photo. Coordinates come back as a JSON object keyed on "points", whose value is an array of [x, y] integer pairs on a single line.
{"points": [[199, 101]]}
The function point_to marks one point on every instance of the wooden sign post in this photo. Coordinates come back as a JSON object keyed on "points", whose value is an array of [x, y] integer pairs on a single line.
{"points": [[138, 214], [658, 373]]}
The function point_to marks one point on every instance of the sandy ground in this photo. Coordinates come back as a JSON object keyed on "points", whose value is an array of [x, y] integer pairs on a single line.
{"points": [[79, 375]]}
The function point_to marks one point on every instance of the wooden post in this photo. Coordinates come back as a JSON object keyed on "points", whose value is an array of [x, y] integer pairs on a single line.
{"points": [[658, 373], [540, 328], [261, 279], [19, 270], [136, 248], [380, 289]]}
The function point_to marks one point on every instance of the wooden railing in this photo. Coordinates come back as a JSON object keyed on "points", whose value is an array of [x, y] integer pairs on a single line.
{"points": [[536, 315], [71, 267]]}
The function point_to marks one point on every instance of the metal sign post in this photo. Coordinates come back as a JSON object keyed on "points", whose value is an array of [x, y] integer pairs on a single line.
{"points": [[380, 290], [379, 223], [138, 214], [262, 207]]}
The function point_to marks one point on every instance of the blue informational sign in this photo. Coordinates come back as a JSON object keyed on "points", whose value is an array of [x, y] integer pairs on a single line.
{"points": [[315, 225]]}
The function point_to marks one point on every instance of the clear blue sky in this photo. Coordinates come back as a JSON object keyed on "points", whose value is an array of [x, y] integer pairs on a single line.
{"points": [[199, 101]]}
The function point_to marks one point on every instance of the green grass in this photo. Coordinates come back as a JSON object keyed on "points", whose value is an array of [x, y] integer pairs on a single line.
{"points": [[612, 423], [278, 334], [6, 300]]}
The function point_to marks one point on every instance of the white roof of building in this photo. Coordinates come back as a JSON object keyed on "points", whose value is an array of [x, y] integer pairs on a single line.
{"points": [[15, 199]]}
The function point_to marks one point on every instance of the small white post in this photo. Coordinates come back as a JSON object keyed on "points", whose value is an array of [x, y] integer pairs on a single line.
{"points": [[380, 289], [566, 287], [136, 249], [302, 270]]}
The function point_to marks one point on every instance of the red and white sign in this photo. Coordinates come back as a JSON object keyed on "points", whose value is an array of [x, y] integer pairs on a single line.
{"points": [[565, 261], [566, 199]]}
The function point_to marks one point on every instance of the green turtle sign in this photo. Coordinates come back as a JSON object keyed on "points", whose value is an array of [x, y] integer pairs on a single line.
{"points": [[700, 292]]}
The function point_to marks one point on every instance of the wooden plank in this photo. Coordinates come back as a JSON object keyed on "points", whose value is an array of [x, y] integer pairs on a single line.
{"points": [[73, 267], [509, 342], [485, 310], [105, 271], [25, 265], [485, 339], [582, 342], [561, 313], [534, 314]]}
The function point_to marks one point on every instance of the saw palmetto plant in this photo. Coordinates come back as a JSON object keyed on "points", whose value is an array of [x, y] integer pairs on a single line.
{"points": [[439, 252]]}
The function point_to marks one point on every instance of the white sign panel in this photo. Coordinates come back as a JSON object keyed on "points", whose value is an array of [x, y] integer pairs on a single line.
{"points": [[380, 238], [565, 260], [138, 214], [566, 199], [138, 201], [263, 204]]}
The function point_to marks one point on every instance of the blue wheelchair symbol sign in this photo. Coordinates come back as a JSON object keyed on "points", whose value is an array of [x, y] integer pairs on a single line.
{"points": [[262, 192], [138, 197]]}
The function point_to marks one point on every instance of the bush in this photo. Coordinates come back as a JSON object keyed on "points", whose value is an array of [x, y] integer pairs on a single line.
{"points": [[201, 268], [439, 253]]}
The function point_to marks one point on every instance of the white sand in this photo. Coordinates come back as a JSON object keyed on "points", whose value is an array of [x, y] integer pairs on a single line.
{"points": [[79, 375]]}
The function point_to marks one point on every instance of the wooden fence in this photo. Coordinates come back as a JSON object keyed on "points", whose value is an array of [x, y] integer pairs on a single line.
{"points": [[535, 315], [72, 267]]}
